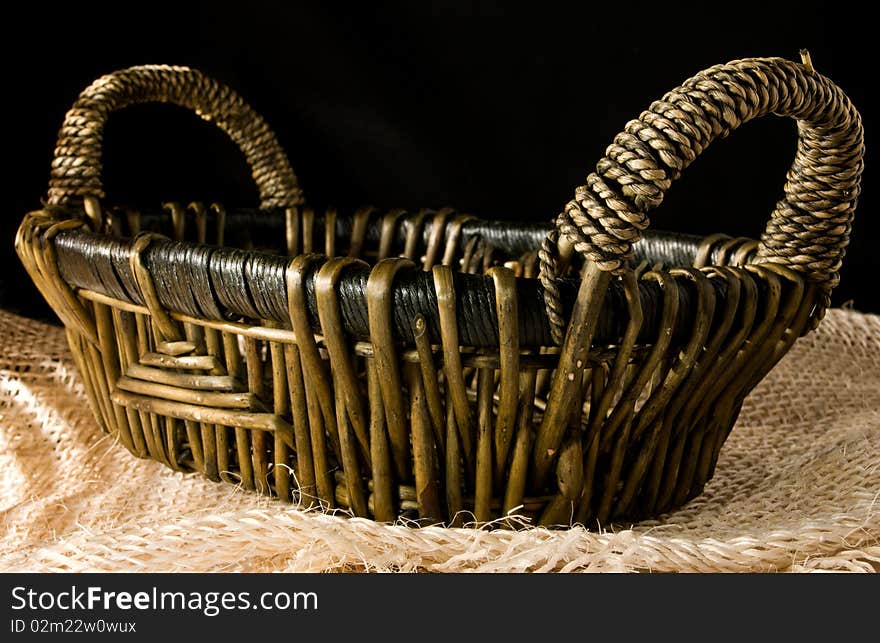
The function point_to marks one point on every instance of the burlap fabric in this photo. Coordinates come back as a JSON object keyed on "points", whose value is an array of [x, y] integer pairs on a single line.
{"points": [[797, 488]]}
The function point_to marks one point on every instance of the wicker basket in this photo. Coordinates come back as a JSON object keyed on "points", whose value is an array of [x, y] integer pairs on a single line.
{"points": [[432, 365]]}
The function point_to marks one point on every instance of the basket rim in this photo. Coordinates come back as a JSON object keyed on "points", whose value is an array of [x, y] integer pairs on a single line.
{"points": [[99, 263]]}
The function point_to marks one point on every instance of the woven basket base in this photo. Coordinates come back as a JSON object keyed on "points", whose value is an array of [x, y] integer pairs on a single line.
{"points": [[797, 488]]}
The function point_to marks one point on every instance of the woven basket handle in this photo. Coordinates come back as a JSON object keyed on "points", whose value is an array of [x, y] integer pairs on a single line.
{"points": [[810, 226], [807, 231], [77, 167]]}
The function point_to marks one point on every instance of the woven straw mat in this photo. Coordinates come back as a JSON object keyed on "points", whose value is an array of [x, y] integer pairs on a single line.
{"points": [[797, 488]]}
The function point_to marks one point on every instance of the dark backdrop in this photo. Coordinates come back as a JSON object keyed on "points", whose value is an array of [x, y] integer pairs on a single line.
{"points": [[488, 107]]}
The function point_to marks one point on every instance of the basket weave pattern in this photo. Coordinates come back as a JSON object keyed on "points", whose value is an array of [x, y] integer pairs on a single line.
{"points": [[411, 368]]}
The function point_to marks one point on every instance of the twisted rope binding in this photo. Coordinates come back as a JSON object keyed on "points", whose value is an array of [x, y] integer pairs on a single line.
{"points": [[810, 226], [77, 166], [548, 258]]}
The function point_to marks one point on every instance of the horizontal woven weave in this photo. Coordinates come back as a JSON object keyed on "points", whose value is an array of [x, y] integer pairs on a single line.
{"points": [[797, 488]]}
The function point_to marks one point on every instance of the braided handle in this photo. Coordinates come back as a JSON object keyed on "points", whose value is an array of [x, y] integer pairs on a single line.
{"points": [[77, 167], [810, 226]]}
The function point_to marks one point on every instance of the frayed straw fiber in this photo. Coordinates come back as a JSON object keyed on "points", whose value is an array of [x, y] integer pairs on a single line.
{"points": [[797, 488]]}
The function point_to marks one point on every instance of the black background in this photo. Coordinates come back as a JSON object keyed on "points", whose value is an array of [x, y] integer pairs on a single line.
{"points": [[498, 109], [481, 606]]}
